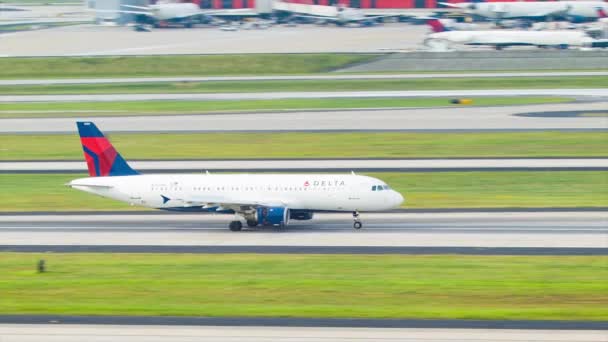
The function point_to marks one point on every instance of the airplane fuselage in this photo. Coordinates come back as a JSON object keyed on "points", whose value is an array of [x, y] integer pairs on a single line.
{"points": [[174, 11], [535, 9], [512, 38], [314, 192]]}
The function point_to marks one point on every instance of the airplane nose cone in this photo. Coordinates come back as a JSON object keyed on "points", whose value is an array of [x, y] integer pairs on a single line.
{"points": [[398, 199]]}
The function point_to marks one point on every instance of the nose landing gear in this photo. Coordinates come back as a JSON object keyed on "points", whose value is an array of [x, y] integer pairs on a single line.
{"points": [[357, 224]]}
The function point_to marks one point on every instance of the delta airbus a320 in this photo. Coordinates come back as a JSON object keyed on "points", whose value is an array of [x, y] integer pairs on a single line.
{"points": [[257, 199]]}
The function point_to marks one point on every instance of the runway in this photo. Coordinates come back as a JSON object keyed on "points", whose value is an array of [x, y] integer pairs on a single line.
{"points": [[324, 165], [132, 333], [589, 92], [427, 119], [559, 230], [301, 77]]}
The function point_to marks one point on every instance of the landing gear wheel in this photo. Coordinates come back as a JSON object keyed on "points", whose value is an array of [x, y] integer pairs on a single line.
{"points": [[252, 223], [235, 226], [357, 224]]}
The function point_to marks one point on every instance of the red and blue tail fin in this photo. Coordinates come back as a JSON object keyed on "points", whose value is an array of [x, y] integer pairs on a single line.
{"points": [[436, 25], [102, 159]]}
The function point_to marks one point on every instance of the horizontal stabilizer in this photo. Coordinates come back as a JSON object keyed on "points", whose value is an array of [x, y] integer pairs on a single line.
{"points": [[99, 186]]}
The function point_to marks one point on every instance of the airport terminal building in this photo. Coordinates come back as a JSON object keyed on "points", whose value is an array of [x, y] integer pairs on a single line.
{"points": [[349, 3], [264, 4]]}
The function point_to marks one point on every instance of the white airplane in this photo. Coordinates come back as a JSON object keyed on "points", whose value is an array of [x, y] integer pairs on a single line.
{"points": [[443, 39], [186, 14], [339, 15], [259, 199], [574, 11]]}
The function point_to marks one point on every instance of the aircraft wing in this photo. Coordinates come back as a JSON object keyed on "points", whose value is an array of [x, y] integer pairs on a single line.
{"points": [[137, 7], [232, 203], [544, 14], [379, 16], [221, 12], [230, 11], [311, 16], [121, 11]]}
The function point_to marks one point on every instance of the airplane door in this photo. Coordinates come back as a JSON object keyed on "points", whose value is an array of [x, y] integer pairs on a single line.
{"points": [[354, 199]]}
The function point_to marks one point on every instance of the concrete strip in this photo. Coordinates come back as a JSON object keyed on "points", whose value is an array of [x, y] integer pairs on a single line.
{"points": [[330, 250], [341, 164], [454, 119], [300, 77], [591, 92], [161, 333]]}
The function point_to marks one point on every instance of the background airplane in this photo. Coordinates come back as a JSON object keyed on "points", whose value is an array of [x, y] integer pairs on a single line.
{"points": [[443, 38], [339, 15], [184, 14], [258, 199], [573, 11]]}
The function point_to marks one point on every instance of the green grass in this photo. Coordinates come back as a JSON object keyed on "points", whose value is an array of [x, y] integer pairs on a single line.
{"points": [[46, 192], [78, 109], [362, 286], [158, 66], [315, 145], [312, 85]]}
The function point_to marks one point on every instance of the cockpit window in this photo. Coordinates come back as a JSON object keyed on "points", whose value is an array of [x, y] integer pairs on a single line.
{"points": [[374, 188], [379, 187], [386, 187]]}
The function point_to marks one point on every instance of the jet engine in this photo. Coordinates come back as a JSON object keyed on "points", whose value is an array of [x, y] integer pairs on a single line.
{"points": [[273, 216]]}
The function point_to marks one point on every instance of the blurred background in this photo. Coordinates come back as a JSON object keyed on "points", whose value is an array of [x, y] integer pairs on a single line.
{"points": [[490, 118]]}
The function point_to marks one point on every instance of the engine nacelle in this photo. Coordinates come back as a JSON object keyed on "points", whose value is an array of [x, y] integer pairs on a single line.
{"points": [[301, 215], [273, 216]]}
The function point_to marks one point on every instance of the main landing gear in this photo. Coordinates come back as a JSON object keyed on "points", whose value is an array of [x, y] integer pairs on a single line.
{"points": [[235, 226], [357, 224]]}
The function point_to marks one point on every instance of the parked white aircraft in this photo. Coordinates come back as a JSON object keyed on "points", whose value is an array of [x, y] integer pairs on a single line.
{"points": [[443, 39], [186, 14], [259, 199], [339, 15], [574, 11]]}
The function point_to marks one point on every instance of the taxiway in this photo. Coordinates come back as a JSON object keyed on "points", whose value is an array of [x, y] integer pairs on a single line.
{"points": [[582, 92], [324, 165], [134, 333], [299, 77], [411, 119]]}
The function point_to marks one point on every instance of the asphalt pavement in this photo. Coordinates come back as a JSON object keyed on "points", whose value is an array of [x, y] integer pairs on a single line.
{"points": [[505, 118], [588, 92], [52, 332], [110, 80], [558, 230], [324, 165]]}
